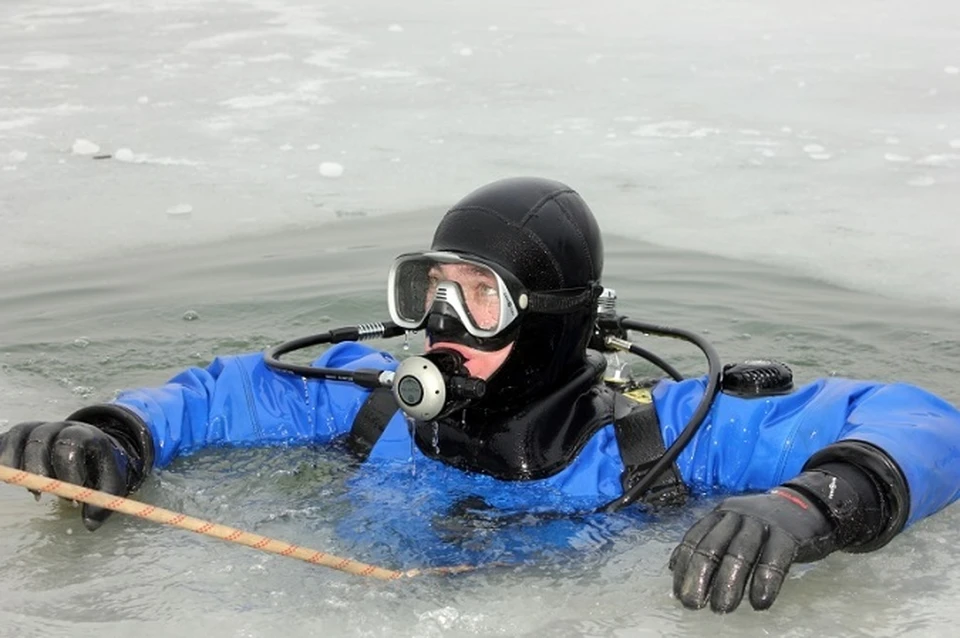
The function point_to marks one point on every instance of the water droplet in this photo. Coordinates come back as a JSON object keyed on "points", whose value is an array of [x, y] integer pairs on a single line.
{"points": [[435, 439], [307, 402], [411, 428]]}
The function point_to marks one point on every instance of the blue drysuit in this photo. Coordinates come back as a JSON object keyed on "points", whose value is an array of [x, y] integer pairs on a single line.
{"points": [[743, 445]]}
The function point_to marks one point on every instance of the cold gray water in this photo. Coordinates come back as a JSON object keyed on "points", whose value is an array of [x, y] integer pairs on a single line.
{"points": [[780, 177]]}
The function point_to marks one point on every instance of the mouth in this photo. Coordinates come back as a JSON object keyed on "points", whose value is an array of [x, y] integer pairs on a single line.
{"points": [[465, 352]]}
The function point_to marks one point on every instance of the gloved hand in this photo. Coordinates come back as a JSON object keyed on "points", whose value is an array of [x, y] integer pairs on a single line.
{"points": [[851, 496], [756, 538], [113, 457]]}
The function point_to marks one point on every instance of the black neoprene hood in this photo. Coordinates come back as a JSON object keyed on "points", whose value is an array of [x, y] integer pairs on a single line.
{"points": [[542, 232]]}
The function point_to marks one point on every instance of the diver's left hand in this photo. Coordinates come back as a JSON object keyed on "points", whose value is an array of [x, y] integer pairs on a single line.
{"points": [[756, 538]]}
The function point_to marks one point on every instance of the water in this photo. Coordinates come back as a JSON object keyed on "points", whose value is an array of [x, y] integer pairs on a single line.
{"points": [[777, 177]]}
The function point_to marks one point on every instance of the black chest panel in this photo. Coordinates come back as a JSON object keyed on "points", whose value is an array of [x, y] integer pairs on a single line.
{"points": [[539, 441]]}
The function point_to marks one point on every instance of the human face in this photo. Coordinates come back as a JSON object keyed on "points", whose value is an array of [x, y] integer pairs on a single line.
{"points": [[480, 293]]}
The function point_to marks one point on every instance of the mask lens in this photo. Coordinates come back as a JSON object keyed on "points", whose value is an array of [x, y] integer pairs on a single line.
{"points": [[412, 294], [471, 289], [478, 287]]}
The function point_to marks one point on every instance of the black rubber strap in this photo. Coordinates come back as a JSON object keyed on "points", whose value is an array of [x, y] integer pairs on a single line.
{"points": [[129, 430], [641, 446], [887, 477], [371, 421], [851, 505]]}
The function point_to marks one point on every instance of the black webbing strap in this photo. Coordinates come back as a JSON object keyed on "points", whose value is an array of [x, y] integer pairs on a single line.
{"points": [[641, 445], [371, 421]]}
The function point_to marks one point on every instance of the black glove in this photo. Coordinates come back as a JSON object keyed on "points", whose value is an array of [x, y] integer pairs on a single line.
{"points": [[113, 456], [758, 537]]}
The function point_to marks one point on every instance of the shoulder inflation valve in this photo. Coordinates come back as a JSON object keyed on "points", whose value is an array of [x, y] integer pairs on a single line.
{"points": [[757, 378]]}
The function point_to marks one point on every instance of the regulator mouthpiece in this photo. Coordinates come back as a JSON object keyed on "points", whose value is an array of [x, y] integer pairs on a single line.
{"points": [[434, 385]]}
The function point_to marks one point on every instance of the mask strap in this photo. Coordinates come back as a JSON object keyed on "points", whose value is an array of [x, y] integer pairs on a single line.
{"points": [[560, 302]]}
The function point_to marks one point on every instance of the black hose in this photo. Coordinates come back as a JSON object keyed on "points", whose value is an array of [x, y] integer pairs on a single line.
{"points": [[365, 378], [643, 353], [714, 376]]}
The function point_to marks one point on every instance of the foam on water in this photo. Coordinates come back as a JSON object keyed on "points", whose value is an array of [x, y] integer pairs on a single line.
{"points": [[84, 147], [718, 129], [738, 129], [331, 169]]}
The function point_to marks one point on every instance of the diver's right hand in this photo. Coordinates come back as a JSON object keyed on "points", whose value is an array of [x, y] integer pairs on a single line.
{"points": [[74, 452]]}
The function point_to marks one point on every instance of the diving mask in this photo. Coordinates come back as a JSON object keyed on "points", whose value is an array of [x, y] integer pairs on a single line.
{"points": [[484, 297]]}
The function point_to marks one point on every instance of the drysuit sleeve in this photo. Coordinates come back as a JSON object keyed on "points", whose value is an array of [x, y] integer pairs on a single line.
{"points": [[237, 400], [905, 437]]}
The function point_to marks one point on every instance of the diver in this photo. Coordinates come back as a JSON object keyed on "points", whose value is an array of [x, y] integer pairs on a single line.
{"points": [[507, 296]]}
